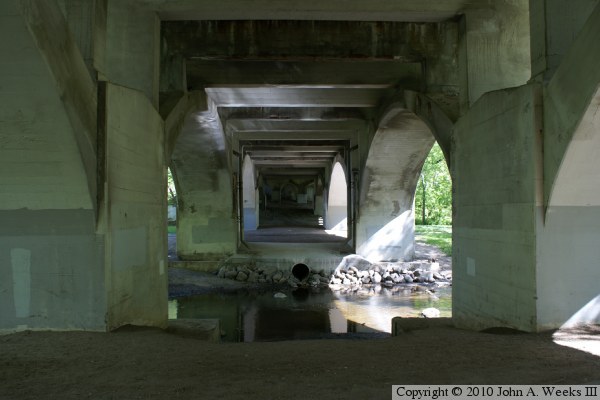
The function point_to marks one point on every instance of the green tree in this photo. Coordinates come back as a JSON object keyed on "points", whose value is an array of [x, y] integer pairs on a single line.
{"points": [[171, 192], [433, 197]]}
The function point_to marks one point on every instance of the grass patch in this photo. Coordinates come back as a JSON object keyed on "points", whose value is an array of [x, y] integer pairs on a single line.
{"points": [[171, 228], [436, 235]]}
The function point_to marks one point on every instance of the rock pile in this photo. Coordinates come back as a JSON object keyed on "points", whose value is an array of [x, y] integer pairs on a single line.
{"points": [[257, 274], [355, 270]]}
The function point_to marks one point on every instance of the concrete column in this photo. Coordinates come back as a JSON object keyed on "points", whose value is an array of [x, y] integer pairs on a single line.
{"points": [[81, 18], [206, 220], [133, 48], [496, 171], [555, 24], [134, 212], [495, 48]]}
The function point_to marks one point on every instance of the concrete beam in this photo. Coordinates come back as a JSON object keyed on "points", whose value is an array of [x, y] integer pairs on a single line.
{"points": [[201, 73], [284, 96], [291, 125], [310, 10]]}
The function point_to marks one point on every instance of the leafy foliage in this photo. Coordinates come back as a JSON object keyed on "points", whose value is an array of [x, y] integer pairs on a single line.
{"points": [[433, 197], [171, 192]]}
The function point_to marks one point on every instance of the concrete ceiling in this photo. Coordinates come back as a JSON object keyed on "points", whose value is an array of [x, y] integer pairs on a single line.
{"points": [[317, 79]]}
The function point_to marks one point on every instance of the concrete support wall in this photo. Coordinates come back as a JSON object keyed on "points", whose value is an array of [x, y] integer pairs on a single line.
{"points": [[568, 96], [51, 259], [132, 48], [135, 214], [568, 272], [206, 223], [555, 24], [569, 233], [496, 169], [495, 48], [385, 225]]}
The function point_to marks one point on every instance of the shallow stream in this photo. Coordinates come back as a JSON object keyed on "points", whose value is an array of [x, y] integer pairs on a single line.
{"points": [[310, 313]]}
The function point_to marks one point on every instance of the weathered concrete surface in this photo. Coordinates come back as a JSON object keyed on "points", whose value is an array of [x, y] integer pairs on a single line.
{"points": [[570, 105], [336, 10], [206, 228], [41, 165], [52, 37], [497, 48], [51, 270], [134, 217], [132, 48], [554, 26], [51, 259], [385, 226], [496, 169], [568, 236]]}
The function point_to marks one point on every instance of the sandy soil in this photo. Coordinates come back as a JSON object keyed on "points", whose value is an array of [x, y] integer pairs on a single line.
{"points": [[152, 364]]}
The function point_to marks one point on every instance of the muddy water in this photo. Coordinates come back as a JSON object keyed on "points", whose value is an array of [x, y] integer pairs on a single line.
{"points": [[307, 313]]}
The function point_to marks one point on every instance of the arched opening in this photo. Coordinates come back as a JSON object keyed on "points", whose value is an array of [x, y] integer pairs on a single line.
{"points": [[385, 223], [433, 206], [337, 202], [171, 215], [249, 195]]}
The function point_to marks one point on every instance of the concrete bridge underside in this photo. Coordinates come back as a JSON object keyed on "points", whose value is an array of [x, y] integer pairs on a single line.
{"points": [[265, 109]]}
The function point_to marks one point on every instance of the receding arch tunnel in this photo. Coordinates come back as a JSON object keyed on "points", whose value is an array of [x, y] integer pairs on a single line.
{"points": [[100, 114]]}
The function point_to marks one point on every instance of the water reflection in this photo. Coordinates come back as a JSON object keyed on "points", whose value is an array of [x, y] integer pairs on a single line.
{"points": [[305, 313]]}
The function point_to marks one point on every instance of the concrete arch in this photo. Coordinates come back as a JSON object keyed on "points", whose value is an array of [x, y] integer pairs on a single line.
{"points": [[440, 125], [206, 227], [570, 100], [577, 180], [568, 233], [385, 225], [337, 199]]}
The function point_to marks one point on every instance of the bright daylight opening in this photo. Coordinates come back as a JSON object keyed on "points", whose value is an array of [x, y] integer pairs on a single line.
{"points": [[337, 203], [433, 204], [171, 215]]}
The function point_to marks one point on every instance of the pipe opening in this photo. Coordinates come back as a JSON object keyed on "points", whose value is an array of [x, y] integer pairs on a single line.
{"points": [[300, 271]]}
